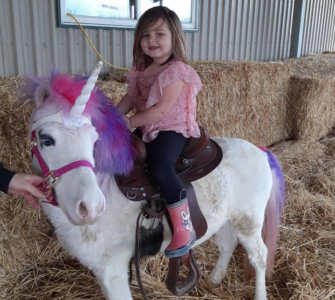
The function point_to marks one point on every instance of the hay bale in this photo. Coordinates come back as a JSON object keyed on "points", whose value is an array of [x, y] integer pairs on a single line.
{"points": [[14, 140], [244, 100], [114, 85], [311, 93]]}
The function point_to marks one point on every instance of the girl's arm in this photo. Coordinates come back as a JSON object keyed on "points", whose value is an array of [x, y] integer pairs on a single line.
{"points": [[125, 105], [156, 112]]}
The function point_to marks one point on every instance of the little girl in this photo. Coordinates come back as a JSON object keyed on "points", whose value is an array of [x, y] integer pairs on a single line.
{"points": [[162, 91]]}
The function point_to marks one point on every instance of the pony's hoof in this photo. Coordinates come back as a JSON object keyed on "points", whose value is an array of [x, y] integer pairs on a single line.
{"points": [[215, 278]]}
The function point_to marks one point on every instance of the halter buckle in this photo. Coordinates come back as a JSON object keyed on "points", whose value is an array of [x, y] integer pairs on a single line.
{"points": [[33, 143], [54, 180]]}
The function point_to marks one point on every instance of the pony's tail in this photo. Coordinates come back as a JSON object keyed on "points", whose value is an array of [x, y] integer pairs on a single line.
{"points": [[273, 212]]}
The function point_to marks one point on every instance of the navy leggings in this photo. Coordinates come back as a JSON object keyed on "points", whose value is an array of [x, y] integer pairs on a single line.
{"points": [[163, 152]]}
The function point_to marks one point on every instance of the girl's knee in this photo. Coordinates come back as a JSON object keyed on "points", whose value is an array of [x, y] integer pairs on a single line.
{"points": [[160, 169], [160, 175]]}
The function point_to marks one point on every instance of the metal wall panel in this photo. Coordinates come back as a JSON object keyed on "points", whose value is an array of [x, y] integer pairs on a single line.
{"points": [[319, 30], [252, 30]]}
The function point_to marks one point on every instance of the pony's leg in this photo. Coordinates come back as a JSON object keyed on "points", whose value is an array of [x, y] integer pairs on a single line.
{"points": [[257, 253], [226, 241], [113, 280]]}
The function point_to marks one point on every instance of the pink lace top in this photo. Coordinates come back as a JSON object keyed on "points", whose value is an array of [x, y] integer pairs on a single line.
{"points": [[145, 91]]}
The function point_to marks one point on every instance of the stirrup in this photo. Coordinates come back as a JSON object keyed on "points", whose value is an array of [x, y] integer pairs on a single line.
{"points": [[190, 282]]}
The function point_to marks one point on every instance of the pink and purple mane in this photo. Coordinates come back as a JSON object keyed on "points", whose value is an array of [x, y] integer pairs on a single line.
{"points": [[113, 151]]}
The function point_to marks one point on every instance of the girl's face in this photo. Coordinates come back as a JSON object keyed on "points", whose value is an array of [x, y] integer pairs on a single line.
{"points": [[156, 42]]}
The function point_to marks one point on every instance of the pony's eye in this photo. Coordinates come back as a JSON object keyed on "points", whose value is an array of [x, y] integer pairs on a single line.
{"points": [[48, 142], [46, 139]]}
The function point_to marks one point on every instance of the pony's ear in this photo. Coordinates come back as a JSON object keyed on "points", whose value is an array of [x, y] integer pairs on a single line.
{"points": [[41, 94]]}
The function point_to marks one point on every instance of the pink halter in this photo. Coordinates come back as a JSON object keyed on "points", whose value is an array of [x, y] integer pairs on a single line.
{"points": [[54, 175]]}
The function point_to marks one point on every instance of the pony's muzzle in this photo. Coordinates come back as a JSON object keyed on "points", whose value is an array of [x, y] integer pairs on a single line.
{"points": [[88, 213]]}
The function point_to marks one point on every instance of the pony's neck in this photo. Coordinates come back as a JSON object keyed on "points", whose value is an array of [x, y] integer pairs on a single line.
{"points": [[106, 182]]}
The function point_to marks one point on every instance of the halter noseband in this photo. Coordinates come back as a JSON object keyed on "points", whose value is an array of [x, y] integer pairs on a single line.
{"points": [[51, 177]]}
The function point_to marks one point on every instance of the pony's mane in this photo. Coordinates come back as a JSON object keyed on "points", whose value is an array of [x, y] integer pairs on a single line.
{"points": [[113, 151]]}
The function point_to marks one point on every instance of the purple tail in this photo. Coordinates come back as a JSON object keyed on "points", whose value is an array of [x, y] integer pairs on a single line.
{"points": [[273, 212]]}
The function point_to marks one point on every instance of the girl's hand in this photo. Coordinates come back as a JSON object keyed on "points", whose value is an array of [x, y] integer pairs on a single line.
{"points": [[127, 121]]}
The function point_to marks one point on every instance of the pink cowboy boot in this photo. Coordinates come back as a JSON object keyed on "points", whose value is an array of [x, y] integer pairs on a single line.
{"points": [[183, 232]]}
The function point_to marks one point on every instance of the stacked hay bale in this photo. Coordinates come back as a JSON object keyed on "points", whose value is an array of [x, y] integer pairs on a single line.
{"points": [[312, 96], [244, 100]]}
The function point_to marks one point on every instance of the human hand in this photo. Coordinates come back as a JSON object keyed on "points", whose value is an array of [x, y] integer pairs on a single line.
{"points": [[127, 121], [28, 186]]}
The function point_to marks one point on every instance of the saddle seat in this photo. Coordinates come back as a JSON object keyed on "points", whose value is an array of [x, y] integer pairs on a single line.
{"points": [[198, 158]]}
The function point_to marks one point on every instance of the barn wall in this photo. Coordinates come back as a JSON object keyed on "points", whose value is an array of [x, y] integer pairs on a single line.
{"points": [[319, 30], [252, 30]]}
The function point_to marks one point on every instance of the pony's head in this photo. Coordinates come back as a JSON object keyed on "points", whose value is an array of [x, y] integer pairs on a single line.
{"points": [[75, 122]]}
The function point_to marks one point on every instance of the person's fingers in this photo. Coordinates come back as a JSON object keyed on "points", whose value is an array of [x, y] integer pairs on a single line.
{"points": [[31, 200], [127, 120], [15, 192], [35, 191], [49, 195], [27, 196], [34, 179]]}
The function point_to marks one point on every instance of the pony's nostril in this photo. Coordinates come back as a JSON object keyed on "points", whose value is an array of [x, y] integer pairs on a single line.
{"points": [[82, 210]]}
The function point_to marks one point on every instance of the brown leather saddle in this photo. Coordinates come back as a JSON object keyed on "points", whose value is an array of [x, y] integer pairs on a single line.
{"points": [[199, 157]]}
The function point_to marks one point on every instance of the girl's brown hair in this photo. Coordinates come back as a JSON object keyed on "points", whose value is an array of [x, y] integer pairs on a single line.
{"points": [[179, 52]]}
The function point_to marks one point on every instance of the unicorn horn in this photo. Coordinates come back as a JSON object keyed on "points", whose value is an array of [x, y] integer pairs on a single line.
{"points": [[74, 116]]}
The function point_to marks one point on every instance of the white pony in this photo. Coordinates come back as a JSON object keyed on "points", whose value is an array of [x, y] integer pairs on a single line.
{"points": [[80, 135]]}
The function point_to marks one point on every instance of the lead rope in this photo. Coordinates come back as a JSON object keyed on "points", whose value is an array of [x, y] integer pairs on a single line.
{"points": [[147, 211], [137, 254]]}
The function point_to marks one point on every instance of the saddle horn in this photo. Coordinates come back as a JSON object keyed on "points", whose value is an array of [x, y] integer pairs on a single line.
{"points": [[74, 117]]}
